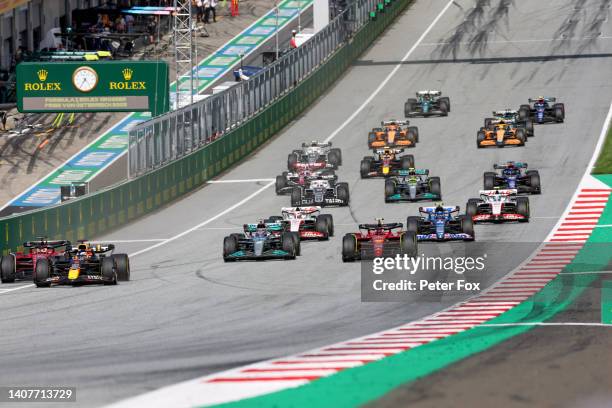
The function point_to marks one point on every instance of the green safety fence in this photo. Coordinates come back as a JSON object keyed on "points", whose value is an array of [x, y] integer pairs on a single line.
{"points": [[106, 210]]}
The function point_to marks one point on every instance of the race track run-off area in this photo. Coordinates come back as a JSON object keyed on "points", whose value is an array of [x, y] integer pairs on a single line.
{"points": [[228, 331]]}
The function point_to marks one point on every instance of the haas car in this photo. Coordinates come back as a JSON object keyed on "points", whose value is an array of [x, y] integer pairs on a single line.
{"points": [[501, 134], [21, 265], [288, 180], [322, 193], [314, 155], [498, 206], [513, 175], [440, 223], [261, 241], [378, 240], [385, 163], [427, 103], [393, 133], [412, 185], [543, 110], [512, 117], [307, 222], [86, 264]]}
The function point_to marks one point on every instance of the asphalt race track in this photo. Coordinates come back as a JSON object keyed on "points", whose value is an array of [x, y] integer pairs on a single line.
{"points": [[186, 313]]}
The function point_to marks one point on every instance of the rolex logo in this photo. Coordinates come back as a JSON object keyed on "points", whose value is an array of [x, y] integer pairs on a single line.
{"points": [[127, 74], [42, 74]]}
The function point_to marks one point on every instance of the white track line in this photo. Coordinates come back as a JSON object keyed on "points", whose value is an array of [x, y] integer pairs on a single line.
{"points": [[3, 291], [240, 181], [391, 74]]}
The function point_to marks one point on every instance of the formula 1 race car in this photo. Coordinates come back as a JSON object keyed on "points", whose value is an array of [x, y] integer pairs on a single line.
{"points": [[286, 181], [498, 206], [393, 133], [412, 185], [378, 240], [261, 241], [513, 176], [511, 117], [439, 224], [501, 134], [86, 264], [385, 163], [21, 265], [427, 103], [541, 111], [314, 155], [307, 222], [322, 193]]}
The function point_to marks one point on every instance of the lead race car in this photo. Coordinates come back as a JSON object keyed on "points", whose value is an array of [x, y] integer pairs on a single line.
{"points": [[511, 117], [513, 175], [385, 163], [88, 263], [314, 155], [285, 183], [412, 185], [427, 103], [541, 111], [261, 241], [307, 222], [440, 223], [21, 265], [319, 192], [378, 240], [498, 206]]}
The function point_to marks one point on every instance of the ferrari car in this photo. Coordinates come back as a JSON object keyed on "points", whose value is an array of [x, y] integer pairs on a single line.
{"points": [[427, 103], [412, 185], [314, 155], [288, 180], [378, 240], [385, 163], [513, 175], [21, 265], [441, 223], [307, 222], [498, 206], [393, 133], [511, 117], [543, 110], [501, 134], [261, 241], [86, 264], [322, 193]]}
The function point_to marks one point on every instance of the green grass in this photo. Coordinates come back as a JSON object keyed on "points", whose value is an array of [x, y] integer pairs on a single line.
{"points": [[604, 161]]}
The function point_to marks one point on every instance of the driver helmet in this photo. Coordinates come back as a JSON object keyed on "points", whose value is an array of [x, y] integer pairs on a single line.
{"points": [[439, 209], [298, 212], [541, 99], [411, 172]]}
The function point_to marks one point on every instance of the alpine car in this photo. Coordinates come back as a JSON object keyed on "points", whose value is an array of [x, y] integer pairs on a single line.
{"points": [[87, 264], [261, 241], [21, 265], [314, 155], [540, 110], [322, 193], [286, 181], [513, 176], [378, 240], [498, 206], [427, 103], [501, 134], [385, 163], [412, 185], [393, 133], [307, 222], [440, 223], [511, 117]]}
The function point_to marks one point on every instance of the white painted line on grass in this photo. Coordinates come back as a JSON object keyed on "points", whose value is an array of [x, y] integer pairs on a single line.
{"points": [[546, 324], [585, 273]]}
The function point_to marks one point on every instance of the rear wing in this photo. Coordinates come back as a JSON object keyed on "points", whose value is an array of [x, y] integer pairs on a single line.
{"points": [[505, 112], [307, 210], [427, 92], [315, 143], [502, 192], [518, 165], [447, 209], [271, 227], [44, 243], [418, 172], [394, 122], [546, 98], [383, 150], [387, 226]]}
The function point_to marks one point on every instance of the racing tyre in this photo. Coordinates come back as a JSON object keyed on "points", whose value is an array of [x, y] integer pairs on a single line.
{"points": [[411, 136], [288, 244], [488, 180], [409, 107], [408, 244], [322, 226], [349, 248], [297, 243], [371, 138], [407, 162], [524, 112], [281, 182], [559, 113], [230, 245], [108, 271], [443, 108], [534, 181], [296, 197], [487, 122], [389, 189], [522, 207], [364, 168], [446, 100], [237, 235], [435, 188], [42, 271], [415, 131], [122, 263], [412, 224], [270, 220], [529, 127], [480, 137], [467, 227], [520, 135], [471, 208], [292, 160], [342, 192], [334, 158], [8, 268], [330, 223], [338, 153]]}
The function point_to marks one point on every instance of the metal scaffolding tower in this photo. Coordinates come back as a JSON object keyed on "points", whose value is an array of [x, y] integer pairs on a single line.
{"points": [[183, 52]]}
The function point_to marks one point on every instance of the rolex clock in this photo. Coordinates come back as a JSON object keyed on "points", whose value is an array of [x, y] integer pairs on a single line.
{"points": [[85, 79]]}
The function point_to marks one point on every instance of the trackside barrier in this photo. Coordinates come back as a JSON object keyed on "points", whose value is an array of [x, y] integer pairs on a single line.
{"points": [[108, 209]]}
